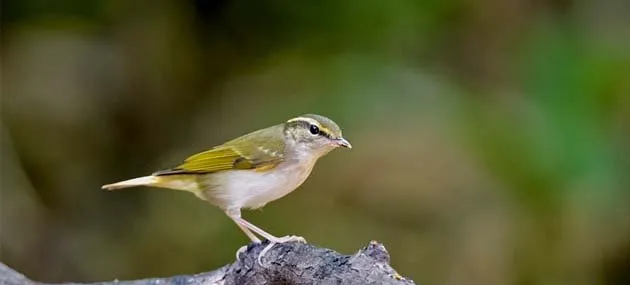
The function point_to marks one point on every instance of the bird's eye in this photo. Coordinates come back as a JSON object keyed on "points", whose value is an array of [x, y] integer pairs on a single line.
{"points": [[314, 129]]}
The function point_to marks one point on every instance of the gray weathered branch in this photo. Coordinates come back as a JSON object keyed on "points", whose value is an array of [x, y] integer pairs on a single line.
{"points": [[289, 263]]}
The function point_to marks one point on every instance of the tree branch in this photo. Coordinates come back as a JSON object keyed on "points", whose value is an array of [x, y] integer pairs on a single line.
{"points": [[288, 263]]}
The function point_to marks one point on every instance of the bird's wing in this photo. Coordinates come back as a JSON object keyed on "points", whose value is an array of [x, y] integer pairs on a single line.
{"points": [[260, 150]]}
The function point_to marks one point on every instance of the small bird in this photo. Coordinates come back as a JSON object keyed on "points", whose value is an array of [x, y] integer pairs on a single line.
{"points": [[252, 170]]}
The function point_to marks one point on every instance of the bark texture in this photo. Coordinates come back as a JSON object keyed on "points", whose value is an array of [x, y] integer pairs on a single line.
{"points": [[289, 263]]}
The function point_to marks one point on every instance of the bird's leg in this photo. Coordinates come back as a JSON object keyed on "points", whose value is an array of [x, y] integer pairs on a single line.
{"points": [[247, 226], [268, 236], [235, 215], [272, 239], [249, 234]]}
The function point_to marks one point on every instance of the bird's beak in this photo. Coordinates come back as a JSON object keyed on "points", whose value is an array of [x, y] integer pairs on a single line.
{"points": [[343, 142]]}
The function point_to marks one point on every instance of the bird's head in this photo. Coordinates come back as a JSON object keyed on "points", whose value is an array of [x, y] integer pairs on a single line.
{"points": [[314, 134]]}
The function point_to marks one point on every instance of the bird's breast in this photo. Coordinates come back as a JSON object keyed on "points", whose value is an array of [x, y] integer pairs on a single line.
{"points": [[253, 189]]}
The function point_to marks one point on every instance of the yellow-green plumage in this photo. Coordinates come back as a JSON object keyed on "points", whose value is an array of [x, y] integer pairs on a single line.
{"points": [[252, 170], [258, 149]]}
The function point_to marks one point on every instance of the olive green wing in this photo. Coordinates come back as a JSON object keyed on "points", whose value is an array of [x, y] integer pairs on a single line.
{"points": [[260, 150]]}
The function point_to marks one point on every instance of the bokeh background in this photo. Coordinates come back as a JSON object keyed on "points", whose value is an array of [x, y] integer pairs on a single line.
{"points": [[491, 138]]}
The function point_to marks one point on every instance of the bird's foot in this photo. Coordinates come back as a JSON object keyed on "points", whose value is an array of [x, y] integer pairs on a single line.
{"points": [[288, 239], [275, 241], [242, 249]]}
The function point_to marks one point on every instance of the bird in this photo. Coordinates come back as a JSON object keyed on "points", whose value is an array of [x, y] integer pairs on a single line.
{"points": [[252, 170]]}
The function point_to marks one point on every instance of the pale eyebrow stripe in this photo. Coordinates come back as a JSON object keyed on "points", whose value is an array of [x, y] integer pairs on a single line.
{"points": [[305, 119], [323, 129]]}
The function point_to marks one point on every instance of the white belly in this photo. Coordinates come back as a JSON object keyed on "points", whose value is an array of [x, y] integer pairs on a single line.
{"points": [[236, 189]]}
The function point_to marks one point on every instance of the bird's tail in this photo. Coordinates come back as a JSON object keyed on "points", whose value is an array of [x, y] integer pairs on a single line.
{"points": [[140, 181], [175, 182]]}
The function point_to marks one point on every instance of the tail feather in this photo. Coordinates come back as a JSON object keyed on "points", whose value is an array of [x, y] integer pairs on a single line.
{"points": [[140, 181], [175, 182]]}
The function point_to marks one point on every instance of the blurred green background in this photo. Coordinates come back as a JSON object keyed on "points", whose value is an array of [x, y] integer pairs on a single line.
{"points": [[491, 138]]}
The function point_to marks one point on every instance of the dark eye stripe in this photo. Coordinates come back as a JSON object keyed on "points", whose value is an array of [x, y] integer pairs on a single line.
{"points": [[323, 133], [307, 125]]}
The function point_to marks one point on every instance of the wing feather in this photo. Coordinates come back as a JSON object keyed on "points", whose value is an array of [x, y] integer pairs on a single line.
{"points": [[252, 151]]}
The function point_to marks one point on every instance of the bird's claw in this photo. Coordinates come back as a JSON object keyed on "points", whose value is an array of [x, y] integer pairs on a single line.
{"points": [[283, 239], [242, 249], [289, 239]]}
